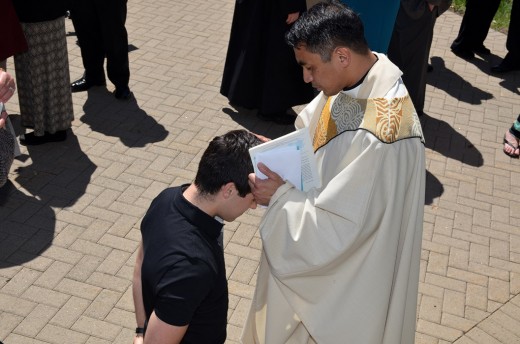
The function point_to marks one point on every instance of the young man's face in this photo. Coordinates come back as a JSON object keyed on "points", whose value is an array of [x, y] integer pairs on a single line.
{"points": [[324, 76], [237, 205]]}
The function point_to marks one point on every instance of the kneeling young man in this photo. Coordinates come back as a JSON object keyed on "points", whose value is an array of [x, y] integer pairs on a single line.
{"points": [[180, 286]]}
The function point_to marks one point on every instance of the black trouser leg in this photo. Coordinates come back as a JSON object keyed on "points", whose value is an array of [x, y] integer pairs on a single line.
{"points": [[112, 18], [513, 36], [87, 26], [475, 24]]}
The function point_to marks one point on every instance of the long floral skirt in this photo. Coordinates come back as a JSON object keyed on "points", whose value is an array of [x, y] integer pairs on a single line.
{"points": [[43, 80]]}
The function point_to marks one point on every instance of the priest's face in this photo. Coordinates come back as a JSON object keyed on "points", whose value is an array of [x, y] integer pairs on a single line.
{"points": [[324, 76]]}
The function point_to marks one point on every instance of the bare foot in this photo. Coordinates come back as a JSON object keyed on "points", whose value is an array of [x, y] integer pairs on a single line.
{"points": [[511, 145]]}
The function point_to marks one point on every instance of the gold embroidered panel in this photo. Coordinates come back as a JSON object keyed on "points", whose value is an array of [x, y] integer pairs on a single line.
{"points": [[389, 120]]}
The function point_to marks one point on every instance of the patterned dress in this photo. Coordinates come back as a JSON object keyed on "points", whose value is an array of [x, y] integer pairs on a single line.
{"points": [[43, 78]]}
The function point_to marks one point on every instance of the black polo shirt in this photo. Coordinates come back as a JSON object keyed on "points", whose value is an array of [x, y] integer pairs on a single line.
{"points": [[183, 273]]}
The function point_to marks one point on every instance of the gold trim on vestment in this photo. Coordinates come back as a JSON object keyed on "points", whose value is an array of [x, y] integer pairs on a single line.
{"points": [[389, 120]]}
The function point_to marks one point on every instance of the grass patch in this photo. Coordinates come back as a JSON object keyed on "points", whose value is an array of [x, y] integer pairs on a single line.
{"points": [[501, 20]]}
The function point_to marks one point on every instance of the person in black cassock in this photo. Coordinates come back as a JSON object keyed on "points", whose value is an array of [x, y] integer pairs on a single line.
{"points": [[260, 70]]}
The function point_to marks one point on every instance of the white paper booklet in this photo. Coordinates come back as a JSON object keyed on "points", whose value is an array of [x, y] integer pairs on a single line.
{"points": [[290, 156]]}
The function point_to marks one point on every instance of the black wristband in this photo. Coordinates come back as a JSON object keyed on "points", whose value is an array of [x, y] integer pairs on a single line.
{"points": [[139, 330]]}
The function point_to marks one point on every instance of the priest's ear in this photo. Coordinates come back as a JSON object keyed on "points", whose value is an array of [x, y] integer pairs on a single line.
{"points": [[343, 55]]}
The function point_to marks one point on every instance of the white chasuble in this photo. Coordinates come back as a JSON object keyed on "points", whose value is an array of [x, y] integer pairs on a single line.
{"points": [[340, 264]]}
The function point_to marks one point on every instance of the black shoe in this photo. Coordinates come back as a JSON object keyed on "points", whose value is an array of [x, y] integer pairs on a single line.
{"points": [[463, 53], [122, 93], [482, 50], [81, 85], [281, 118], [504, 68], [31, 140], [429, 69]]}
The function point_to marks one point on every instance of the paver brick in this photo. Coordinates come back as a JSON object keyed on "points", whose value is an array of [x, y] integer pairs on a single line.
{"points": [[14, 338], [109, 282], [457, 322], [20, 282], [8, 323], [431, 309], [70, 312], [53, 275], [438, 331], [102, 304], [36, 320], [78, 289], [96, 328], [56, 334]]}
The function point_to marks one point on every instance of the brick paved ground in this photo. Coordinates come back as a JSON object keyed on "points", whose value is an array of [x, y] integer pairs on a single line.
{"points": [[69, 216]]}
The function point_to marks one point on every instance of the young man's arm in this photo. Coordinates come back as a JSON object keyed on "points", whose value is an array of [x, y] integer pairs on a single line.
{"points": [[159, 332], [137, 292]]}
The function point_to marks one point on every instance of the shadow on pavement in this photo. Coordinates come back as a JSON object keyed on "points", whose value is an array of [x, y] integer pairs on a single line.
{"points": [[57, 177], [453, 84], [434, 188], [443, 139], [121, 118]]}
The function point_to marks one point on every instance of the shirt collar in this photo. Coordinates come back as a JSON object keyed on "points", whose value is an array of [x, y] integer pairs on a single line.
{"points": [[205, 223]]}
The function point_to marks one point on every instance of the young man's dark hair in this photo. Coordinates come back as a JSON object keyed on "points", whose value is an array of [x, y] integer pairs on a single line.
{"points": [[179, 285], [224, 161], [326, 26]]}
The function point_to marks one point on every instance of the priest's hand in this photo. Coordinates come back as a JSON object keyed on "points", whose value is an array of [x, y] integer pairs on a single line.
{"points": [[261, 137], [291, 18], [264, 189]]}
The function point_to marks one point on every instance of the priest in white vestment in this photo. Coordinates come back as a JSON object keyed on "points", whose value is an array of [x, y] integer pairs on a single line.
{"points": [[340, 264]]}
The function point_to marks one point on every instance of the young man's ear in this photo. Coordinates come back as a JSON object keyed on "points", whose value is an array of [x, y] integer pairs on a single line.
{"points": [[228, 189]]}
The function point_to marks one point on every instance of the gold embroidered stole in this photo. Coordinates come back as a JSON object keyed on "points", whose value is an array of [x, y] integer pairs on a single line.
{"points": [[389, 120]]}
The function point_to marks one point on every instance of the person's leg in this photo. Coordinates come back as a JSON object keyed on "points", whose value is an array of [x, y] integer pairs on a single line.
{"points": [[112, 18], [485, 14], [512, 59], [511, 139], [87, 26], [474, 28], [409, 50], [461, 46]]}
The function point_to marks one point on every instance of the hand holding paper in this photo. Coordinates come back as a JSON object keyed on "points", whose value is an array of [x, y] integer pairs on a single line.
{"points": [[291, 157], [264, 188]]}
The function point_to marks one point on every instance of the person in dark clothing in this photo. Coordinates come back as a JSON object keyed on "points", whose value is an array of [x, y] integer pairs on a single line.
{"points": [[260, 70], [13, 39], [101, 32], [179, 285], [411, 42], [474, 28], [512, 60]]}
